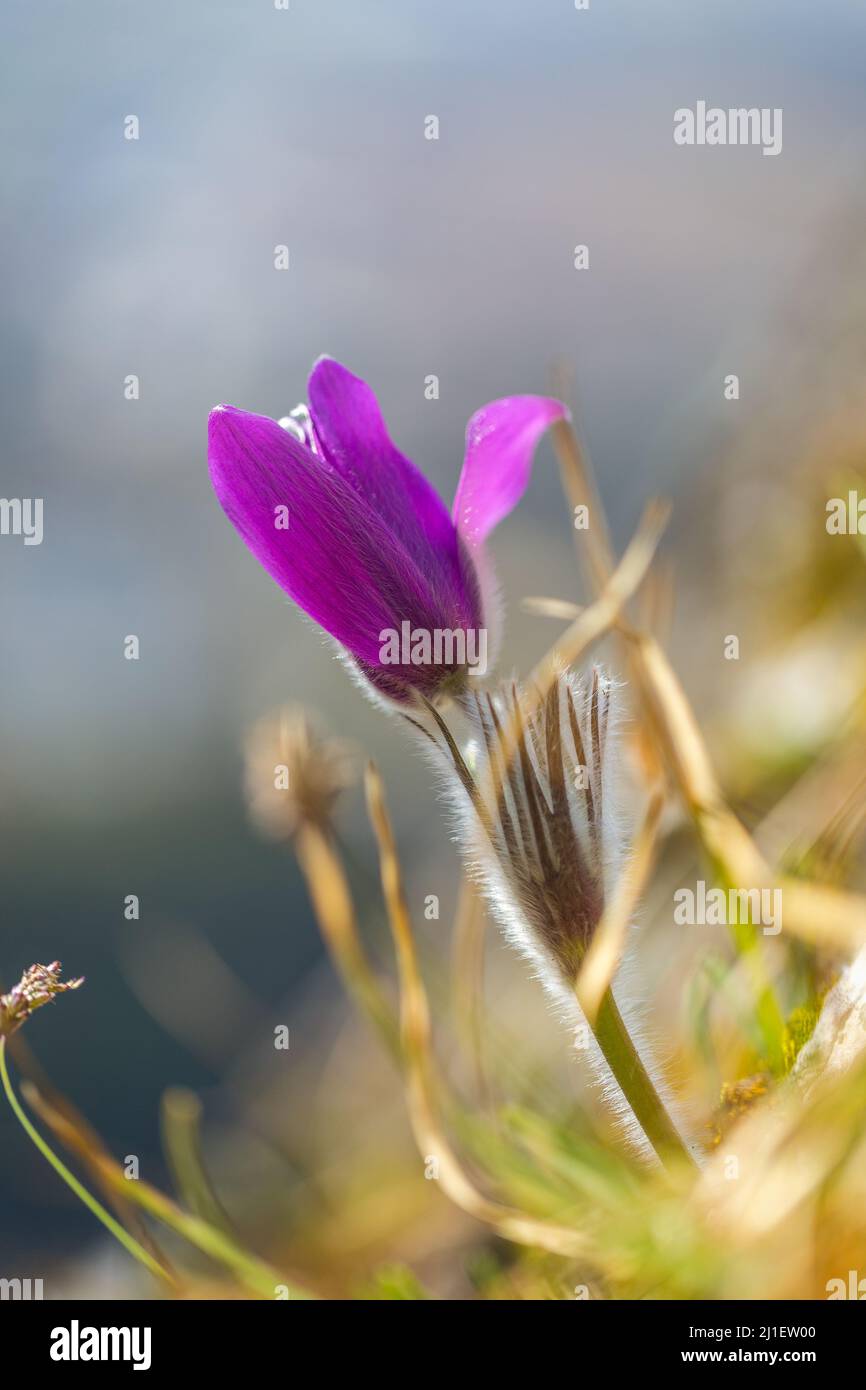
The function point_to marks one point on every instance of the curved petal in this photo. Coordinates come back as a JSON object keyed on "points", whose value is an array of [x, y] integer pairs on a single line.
{"points": [[500, 442], [355, 442], [336, 557]]}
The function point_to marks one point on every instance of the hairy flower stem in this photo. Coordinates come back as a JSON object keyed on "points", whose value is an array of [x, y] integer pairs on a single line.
{"points": [[636, 1083]]}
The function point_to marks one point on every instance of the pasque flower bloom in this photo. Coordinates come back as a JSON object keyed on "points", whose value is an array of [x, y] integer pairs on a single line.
{"points": [[356, 535]]}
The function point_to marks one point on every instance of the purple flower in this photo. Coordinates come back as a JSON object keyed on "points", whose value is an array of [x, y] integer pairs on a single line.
{"points": [[355, 534]]}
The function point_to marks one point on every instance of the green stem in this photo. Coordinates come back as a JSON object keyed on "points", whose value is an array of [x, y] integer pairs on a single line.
{"points": [[181, 1134], [257, 1276], [636, 1083], [128, 1242], [768, 1016]]}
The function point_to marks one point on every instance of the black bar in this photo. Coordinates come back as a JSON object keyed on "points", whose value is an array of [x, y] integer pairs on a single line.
{"points": [[238, 1337]]}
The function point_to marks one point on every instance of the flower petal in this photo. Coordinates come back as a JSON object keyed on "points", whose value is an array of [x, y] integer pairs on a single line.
{"points": [[355, 441], [337, 559], [500, 441]]}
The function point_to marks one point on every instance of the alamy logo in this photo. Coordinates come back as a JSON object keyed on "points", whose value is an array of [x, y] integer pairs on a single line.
{"points": [[418, 646], [20, 1290], [846, 517], [22, 516], [76, 1343], [855, 1287], [713, 907], [737, 126]]}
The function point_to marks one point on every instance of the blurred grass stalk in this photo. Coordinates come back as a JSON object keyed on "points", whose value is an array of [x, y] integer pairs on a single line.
{"points": [[129, 1243], [252, 1273], [332, 902]]}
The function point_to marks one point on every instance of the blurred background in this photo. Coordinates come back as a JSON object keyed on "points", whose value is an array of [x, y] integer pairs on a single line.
{"points": [[408, 257]]}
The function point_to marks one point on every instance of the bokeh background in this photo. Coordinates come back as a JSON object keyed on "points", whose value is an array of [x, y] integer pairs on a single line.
{"points": [[408, 257]]}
